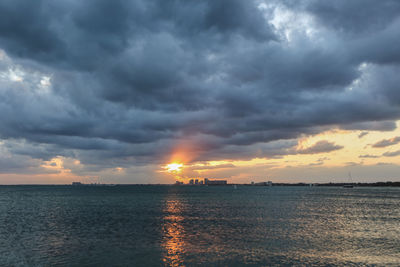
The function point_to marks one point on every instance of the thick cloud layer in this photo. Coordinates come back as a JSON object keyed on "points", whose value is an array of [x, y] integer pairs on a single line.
{"points": [[115, 83]]}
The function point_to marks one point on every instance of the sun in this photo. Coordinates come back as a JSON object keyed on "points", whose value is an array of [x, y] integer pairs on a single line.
{"points": [[174, 167]]}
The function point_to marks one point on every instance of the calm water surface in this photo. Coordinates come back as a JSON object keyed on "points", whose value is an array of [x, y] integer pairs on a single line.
{"points": [[167, 225]]}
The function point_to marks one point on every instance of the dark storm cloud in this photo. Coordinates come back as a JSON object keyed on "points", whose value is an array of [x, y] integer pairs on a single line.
{"points": [[371, 126], [129, 81], [355, 17], [387, 142], [21, 164], [15, 165]]}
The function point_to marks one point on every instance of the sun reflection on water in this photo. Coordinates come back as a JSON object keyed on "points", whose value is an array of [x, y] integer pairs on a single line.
{"points": [[173, 243]]}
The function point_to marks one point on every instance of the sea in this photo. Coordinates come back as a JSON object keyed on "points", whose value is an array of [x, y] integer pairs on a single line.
{"points": [[149, 225]]}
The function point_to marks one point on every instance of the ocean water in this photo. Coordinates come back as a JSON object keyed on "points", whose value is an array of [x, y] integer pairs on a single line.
{"points": [[211, 226]]}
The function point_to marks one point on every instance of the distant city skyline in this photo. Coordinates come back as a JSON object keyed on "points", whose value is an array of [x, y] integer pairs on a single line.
{"points": [[152, 91]]}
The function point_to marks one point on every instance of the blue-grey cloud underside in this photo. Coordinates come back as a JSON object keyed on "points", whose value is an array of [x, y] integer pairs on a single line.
{"points": [[132, 79]]}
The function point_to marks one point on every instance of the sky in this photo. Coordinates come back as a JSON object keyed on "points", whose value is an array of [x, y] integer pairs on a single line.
{"points": [[114, 91]]}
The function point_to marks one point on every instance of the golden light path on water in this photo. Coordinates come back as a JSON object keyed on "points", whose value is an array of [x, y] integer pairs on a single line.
{"points": [[173, 244]]}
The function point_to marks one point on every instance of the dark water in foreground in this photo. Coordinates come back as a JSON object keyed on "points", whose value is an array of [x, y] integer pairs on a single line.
{"points": [[166, 225]]}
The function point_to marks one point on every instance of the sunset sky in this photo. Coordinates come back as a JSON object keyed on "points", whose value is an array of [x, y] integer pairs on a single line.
{"points": [[114, 91]]}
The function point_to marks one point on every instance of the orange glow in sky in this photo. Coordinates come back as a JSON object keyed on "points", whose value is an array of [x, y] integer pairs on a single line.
{"points": [[174, 167]]}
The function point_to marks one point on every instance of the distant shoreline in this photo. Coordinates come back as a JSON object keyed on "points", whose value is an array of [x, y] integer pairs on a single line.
{"points": [[375, 184]]}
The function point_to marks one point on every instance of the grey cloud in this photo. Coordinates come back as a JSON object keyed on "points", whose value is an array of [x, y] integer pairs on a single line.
{"points": [[355, 17], [17, 165], [322, 146], [20, 164], [353, 164], [130, 80], [371, 126], [387, 142], [318, 163], [367, 156], [362, 134], [391, 154]]}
